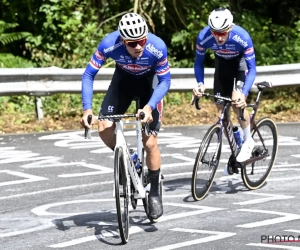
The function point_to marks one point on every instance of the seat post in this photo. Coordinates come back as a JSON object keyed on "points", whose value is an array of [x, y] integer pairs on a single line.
{"points": [[137, 104]]}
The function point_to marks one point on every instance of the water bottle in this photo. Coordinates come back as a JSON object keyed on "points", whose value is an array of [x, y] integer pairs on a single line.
{"points": [[238, 137], [134, 158]]}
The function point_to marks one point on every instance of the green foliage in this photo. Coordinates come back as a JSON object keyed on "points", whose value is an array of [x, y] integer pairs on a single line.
{"points": [[6, 38], [8, 60], [23, 107], [67, 34], [11, 61]]}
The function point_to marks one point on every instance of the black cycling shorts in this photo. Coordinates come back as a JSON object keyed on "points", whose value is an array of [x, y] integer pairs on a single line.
{"points": [[228, 73], [124, 88]]}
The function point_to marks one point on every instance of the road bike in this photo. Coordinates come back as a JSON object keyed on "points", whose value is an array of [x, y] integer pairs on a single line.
{"points": [[131, 181], [255, 170]]}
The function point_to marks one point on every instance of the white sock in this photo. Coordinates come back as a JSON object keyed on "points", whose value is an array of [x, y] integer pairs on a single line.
{"points": [[247, 133]]}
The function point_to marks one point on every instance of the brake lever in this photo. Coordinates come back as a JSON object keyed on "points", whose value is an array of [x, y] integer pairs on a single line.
{"points": [[242, 115], [87, 132], [145, 125], [196, 102]]}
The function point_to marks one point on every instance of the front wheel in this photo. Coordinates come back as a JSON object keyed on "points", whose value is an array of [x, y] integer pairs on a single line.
{"points": [[121, 194], [206, 162], [265, 135]]}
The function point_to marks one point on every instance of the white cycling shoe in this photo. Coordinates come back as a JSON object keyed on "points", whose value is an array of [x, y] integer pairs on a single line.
{"points": [[246, 150], [225, 171]]}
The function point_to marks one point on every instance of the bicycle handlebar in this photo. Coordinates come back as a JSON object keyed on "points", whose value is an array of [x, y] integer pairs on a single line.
{"points": [[226, 99], [145, 125]]}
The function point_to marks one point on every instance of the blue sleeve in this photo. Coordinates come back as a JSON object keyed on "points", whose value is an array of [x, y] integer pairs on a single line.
{"points": [[97, 60], [199, 61], [249, 56], [164, 80]]}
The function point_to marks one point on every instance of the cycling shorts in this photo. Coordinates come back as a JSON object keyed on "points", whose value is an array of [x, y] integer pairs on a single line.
{"points": [[228, 73], [124, 88]]}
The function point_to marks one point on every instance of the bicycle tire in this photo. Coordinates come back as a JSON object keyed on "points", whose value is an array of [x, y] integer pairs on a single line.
{"points": [[199, 193], [121, 195], [248, 170]]}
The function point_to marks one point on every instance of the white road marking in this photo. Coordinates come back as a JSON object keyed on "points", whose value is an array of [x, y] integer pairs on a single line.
{"points": [[298, 156], [16, 196], [284, 218], [284, 178], [215, 236], [293, 231], [42, 210], [270, 197], [47, 225], [200, 210], [132, 230], [272, 246], [27, 178]]}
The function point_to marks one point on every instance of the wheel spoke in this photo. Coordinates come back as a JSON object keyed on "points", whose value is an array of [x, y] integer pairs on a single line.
{"points": [[255, 175], [206, 163]]}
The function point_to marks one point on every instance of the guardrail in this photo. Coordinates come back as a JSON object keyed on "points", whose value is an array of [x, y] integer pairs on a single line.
{"points": [[46, 81]]}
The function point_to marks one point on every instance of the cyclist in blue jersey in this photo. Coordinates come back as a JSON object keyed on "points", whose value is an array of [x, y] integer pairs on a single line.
{"points": [[235, 67], [142, 70]]}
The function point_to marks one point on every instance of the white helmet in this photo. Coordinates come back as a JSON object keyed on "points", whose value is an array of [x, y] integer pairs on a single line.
{"points": [[220, 19], [132, 27]]}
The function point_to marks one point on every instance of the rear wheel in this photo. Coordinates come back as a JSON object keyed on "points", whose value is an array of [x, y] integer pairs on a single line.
{"points": [[121, 195], [265, 135], [206, 162]]}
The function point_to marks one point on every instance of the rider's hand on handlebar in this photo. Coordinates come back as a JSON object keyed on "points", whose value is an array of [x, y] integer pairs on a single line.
{"points": [[240, 99], [199, 90], [84, 123], [148, 114]]}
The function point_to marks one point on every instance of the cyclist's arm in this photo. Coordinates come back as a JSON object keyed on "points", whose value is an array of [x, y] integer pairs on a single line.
{"points": [[199, 61], [249, 56], [97, 60], [162, 70]]}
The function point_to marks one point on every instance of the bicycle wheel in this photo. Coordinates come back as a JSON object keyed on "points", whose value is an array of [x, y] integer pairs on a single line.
{"points": [[206, 162], [121, 195], [254, 175]]}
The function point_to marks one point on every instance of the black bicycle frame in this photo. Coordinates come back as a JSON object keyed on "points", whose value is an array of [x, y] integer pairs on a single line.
{"points": [[226, 125]]}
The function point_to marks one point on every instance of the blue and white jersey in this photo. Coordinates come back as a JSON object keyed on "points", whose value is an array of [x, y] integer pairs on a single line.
{"points": [[154, 58], [239, 44]]}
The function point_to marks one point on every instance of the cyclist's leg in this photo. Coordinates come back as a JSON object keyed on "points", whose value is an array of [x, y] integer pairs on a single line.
{"points": [[153, 158], [223, 81], [240, 77], [223, 84], [116, 101], [249, 143]]}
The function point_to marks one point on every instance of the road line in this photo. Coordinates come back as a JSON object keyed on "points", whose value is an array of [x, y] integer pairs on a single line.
{"points": [[215, 236], [269, 197], [284, 217], [29, 230], [132, 230], [55, 190], [27, 178], [42, 210], [293, 231], [273, 246]]}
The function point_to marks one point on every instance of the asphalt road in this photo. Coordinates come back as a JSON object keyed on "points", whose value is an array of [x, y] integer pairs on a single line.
{"points": [[56, 193]]}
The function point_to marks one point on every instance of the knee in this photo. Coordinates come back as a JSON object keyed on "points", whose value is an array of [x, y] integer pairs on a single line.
{"points": [[150, 145], [105, 126]]}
